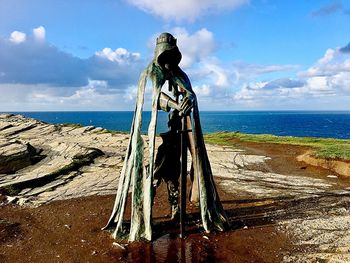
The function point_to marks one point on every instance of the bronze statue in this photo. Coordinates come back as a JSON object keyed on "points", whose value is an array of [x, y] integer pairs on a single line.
{"points": [[144, 170]]}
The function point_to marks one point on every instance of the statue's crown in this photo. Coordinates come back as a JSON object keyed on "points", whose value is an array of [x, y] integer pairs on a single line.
{"points": [[166, 38]]}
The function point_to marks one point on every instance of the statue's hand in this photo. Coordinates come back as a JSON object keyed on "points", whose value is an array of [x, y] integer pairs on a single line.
{"points": [[186, 105]]}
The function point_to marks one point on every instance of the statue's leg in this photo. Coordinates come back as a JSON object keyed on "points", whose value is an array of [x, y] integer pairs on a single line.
{"points": [[173, 197], [159, 168], [171, 176], [167, 163]]}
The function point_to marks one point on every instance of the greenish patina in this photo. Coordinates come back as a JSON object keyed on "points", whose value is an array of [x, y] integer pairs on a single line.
{"points": [[138, 172]]}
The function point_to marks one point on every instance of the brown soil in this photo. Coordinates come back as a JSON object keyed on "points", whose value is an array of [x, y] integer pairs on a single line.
{"points": [[283, 158], [70, 230], [340, 167]]}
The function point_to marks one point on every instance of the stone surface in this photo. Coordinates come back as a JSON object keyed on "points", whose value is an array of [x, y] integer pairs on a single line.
{"points": [[84, 161], [15, 155], [76, 161]]}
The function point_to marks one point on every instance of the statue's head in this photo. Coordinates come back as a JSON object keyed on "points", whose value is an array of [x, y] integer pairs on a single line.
{"points": [[167, 54]]}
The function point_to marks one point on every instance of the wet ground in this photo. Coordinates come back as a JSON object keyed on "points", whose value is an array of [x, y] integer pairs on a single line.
{"points": [[70, 232]]}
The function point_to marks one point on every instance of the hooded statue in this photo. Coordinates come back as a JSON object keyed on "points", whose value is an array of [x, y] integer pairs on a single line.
{"points": [[143, 168]]}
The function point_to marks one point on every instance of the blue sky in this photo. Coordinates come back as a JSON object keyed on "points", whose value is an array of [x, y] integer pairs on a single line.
{"points": [[239, 54]]}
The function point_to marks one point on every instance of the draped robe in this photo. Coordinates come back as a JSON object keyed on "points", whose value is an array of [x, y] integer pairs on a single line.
{"points": [[138, 172]]}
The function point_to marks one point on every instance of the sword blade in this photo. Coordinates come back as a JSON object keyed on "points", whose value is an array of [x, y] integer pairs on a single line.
{"points": [[183, 175]]}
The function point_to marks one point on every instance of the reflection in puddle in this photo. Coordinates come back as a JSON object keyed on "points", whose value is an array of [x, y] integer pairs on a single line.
{"points": [[169, 248]]}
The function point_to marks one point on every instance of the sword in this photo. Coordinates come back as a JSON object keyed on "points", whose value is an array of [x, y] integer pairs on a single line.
{"points": [[183, 176]]}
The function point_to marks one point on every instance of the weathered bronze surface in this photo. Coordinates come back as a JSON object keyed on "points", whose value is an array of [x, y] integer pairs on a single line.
{"points": [[145, 175]]}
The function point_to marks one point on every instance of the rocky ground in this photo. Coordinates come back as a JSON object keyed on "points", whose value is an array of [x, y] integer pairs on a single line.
{"points": [[281, 210]]}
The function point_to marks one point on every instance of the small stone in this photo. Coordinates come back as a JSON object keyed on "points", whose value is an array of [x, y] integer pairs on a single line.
{"points": [[22, 201], [67, 226], [205, 237], [12, 199], [93, 253], [332, 176], [245, 227], [118, 245]]}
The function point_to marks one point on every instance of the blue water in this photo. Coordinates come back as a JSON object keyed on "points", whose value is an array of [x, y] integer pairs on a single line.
{"points": [[293, 123]]}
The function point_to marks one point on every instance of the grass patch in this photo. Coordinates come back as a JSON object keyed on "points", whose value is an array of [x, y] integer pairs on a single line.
{"points": [[111, 132], [327, 148]]}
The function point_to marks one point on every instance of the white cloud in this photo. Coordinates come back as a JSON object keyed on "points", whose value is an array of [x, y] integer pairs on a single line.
{"points": [[96, 95], [333, 62], [319, 86], [194, 47], [120, 55], [39, 62], [328, 56], [220, 76], [341, 82], [39, 33], [328, 78], [186, 9], [213, 80], [203, 90], [17, 37]]}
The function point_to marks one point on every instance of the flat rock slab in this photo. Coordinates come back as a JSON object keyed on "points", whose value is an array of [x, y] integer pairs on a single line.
{"points": [[15, 155], [75, 161]]}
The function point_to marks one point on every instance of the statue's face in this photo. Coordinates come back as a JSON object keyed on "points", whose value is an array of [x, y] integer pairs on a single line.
{"points": [[167, 59]]}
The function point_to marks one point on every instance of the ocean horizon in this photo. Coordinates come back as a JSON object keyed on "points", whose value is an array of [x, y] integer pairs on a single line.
{"points": [[322, 124]]}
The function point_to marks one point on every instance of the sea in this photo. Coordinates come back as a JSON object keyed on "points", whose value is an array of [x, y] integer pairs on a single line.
{"points": [[326, 124]]}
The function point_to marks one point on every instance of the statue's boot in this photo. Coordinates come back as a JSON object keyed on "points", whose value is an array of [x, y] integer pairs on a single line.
{"points": [[175, 212], [173, 197]]}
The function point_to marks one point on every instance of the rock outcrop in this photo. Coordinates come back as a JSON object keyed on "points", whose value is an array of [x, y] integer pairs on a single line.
{"points": [[42, 162], [15, 155]]}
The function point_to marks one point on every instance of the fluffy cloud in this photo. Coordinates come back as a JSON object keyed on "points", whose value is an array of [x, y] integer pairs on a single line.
{"points": [[39, 33], [328, 78], [120, 55], [212, 79], [17, 37], [38, 62], [186, 9], [333, 62], [194, 47], [35, 75], [202, 91], [96, 95]]}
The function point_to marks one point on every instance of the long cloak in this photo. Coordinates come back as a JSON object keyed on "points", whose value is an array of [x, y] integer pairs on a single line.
{"points": [[139, 172]]}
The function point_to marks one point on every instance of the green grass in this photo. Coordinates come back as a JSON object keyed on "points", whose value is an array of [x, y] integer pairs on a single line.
{"points": [[111, 132], [327, 148]]}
